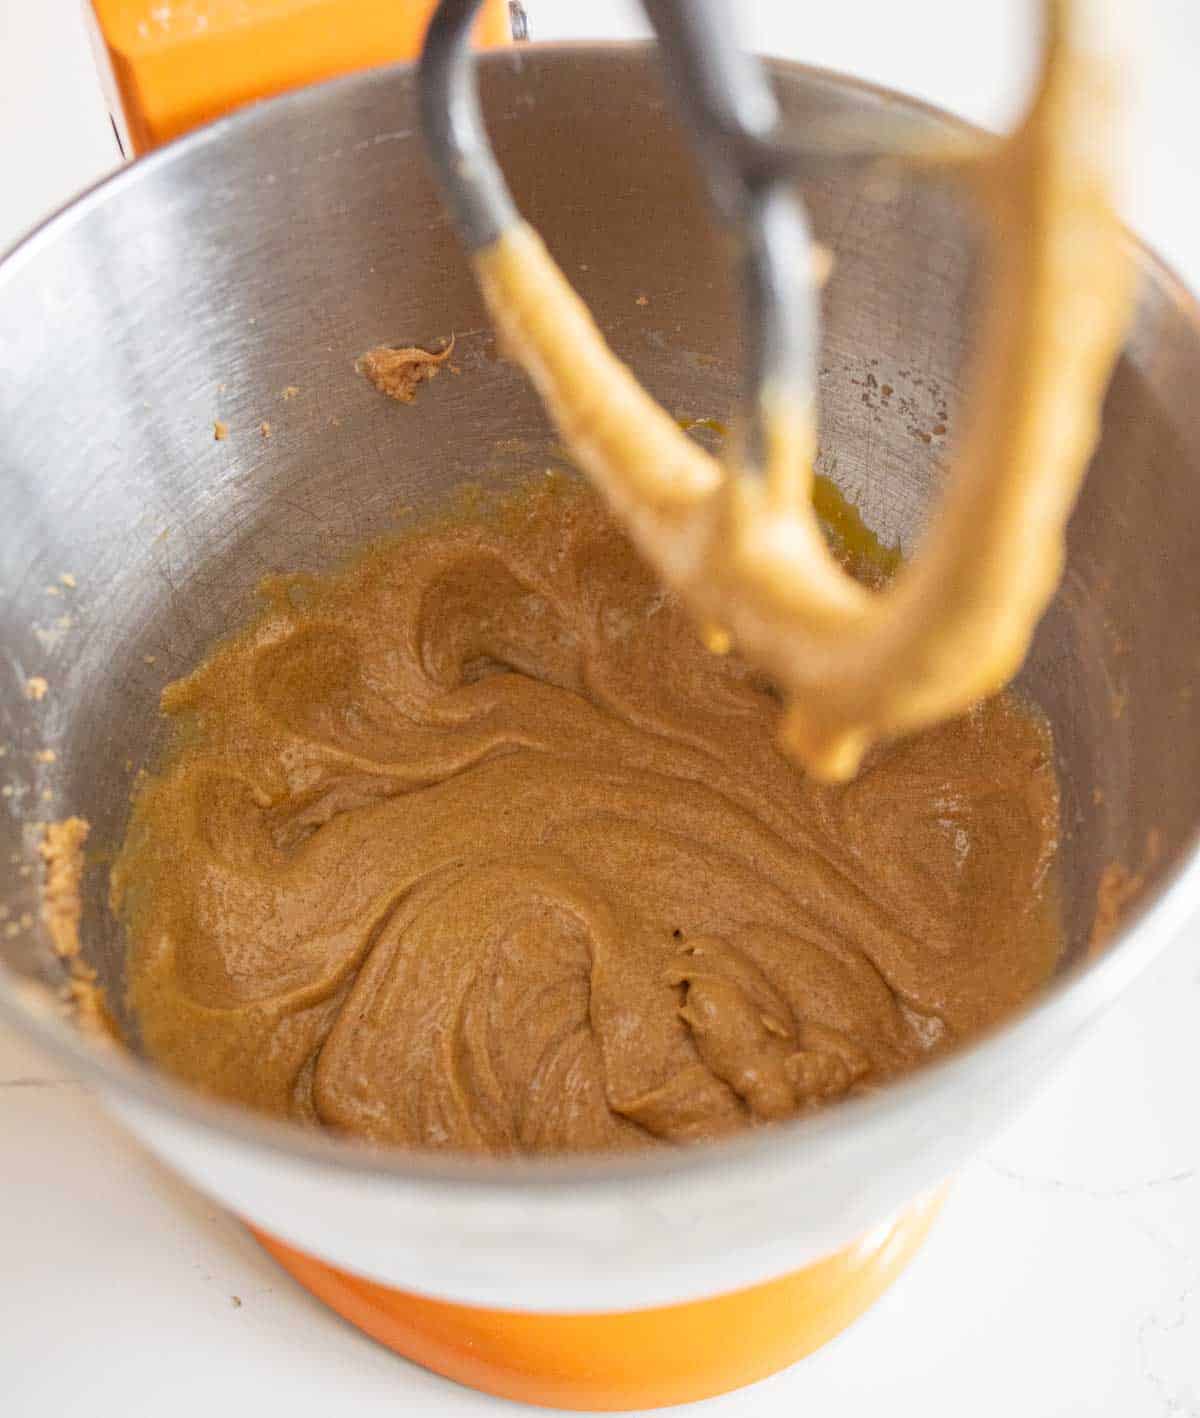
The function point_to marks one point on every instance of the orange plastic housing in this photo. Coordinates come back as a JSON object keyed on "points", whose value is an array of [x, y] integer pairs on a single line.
{"points": [[170, 65], [627, 1361]]}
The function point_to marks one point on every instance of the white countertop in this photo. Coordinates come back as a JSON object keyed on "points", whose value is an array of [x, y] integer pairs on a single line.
{"points": [[1064, 1275]]}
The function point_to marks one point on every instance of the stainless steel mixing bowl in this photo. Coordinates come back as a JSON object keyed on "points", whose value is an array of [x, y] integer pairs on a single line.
{"points": [[266, 253]]}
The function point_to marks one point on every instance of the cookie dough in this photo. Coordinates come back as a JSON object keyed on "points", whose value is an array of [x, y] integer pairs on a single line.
{"points": [[473, 845], [399, 373]]}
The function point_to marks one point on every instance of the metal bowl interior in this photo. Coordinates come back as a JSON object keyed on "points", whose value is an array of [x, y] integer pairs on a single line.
{"points": [[237, 276]]}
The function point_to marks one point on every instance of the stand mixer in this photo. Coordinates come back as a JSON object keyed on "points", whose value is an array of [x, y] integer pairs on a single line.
{"points": [[266, 253]]}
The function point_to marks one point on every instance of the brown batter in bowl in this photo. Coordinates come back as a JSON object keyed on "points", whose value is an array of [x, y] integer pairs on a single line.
{"points": [[474, 845]]}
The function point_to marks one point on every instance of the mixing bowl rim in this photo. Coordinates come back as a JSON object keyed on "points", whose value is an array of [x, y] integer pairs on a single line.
{"points": [[1066, 1005]]}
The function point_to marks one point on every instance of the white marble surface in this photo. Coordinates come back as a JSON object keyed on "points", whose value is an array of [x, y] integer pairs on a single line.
{"points": [[1064, 1275]]}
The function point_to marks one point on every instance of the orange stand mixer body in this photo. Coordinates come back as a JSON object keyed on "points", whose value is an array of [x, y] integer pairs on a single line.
{"points": [[168, 69], [633, 1360]]}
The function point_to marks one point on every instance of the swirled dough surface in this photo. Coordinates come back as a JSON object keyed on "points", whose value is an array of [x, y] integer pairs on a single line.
{"points": [[473, 845]]}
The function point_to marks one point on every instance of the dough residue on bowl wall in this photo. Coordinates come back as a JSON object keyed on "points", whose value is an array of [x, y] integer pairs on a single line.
{"points": [[62, 853], [399, 372]]}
